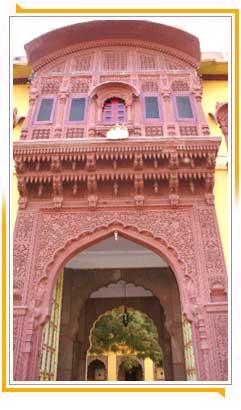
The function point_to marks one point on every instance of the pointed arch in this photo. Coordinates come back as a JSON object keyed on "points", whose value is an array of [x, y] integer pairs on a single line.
{"points": [[129, 232]]}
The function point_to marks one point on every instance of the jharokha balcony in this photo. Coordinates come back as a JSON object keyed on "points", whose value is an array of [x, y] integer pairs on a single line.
{"points": [[131, 171], [148, 84]]}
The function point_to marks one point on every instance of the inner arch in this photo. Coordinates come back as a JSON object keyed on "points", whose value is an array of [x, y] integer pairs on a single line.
{"points": [[93, 278], [125, 353], [85, 240], [116, 252]]}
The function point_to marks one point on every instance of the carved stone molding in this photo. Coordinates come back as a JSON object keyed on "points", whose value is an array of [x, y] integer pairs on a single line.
{"points": [[220, 322], [23, 237], [177, 58], [59, 231], [213, 254], [67, 165]]}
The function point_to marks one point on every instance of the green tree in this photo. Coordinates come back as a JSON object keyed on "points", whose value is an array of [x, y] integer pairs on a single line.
{"points": [[139, 337]]}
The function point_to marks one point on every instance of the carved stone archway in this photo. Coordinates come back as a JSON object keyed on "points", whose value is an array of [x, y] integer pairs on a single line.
{"points": [[106, 87], [170, 233], [87, 238]]}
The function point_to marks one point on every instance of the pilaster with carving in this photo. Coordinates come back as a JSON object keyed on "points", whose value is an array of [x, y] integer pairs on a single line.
{"points": [[212, 304]]}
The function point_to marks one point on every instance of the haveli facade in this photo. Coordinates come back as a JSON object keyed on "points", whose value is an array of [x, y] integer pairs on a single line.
{"points": [[82, 186]]}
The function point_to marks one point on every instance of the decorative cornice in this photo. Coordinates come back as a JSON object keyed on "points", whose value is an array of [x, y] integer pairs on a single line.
{"points": [[161, 144]]}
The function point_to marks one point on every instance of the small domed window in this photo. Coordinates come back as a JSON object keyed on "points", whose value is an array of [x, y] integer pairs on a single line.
{"points": [[114, 111]]}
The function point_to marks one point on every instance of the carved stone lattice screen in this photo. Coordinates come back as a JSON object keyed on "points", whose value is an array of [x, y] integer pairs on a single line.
{"points": [[50, 339]]}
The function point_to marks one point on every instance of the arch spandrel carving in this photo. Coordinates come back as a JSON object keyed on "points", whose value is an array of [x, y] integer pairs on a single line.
{"points": [[121, 92], [155, 230]]}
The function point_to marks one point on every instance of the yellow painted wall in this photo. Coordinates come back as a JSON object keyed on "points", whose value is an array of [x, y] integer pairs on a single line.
{"points": [[21, 102], [112, 376], [148, 370], [213, 92]]}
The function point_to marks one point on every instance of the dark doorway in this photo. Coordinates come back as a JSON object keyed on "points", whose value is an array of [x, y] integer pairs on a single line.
{"points": [[134, 374], [96, 371]]}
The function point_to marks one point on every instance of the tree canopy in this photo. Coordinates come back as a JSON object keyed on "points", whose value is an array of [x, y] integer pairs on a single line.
{"points": [[139, 337]]}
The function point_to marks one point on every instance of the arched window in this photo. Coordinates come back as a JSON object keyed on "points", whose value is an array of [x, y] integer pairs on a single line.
{"points": [[96, 371], [114, 111], [130, 369]]}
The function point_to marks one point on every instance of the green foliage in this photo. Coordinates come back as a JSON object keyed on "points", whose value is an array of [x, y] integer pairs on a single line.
{"points": [[129, 363], [139, 337]]}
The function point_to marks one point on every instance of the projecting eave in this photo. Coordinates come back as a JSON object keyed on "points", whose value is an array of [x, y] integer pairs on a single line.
{"points": [[51, 45]]}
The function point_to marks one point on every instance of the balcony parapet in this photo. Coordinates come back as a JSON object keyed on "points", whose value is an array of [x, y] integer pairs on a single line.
{"points": [[142, 168], [48, 132]]}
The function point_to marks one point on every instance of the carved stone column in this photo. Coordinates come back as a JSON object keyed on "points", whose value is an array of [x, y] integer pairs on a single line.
{"points": [[167, 360], [27, 358], [129, 109], [168, 114], [82, 365], [99, 111], [218, 334], [92, 115], [66, 336], [23, 312], [65, 361], [60, 115], [22, 358], [19, 314], [178, 361], [202, 122], [27, 122], [76, 360], [211, 310], [210, 342]]}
